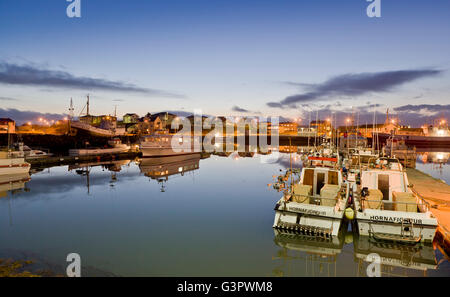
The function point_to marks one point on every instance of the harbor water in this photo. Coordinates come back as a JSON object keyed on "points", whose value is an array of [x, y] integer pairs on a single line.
{"points": [[210, 217]]}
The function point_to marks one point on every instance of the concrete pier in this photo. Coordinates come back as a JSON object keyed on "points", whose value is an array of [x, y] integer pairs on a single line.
{"points": [[437, 193]]}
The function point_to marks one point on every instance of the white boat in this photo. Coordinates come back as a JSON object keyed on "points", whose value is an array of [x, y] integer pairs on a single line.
{"points": [[386, 208], [29, 153], [116, 146], [315, 205], [11, 165], [160, 145]]}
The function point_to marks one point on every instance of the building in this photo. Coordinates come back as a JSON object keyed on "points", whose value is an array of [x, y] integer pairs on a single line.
{"points": [[368, 130], [7, 125], [322, 127], [288, 128], [103, 121], [306, 131], [130, 118]]}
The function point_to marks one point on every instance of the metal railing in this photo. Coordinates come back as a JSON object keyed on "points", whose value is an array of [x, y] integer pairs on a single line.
{"points": [[382, 204]]}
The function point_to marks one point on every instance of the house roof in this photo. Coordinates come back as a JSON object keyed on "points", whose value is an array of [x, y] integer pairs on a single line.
{"points": [[6, 120]]}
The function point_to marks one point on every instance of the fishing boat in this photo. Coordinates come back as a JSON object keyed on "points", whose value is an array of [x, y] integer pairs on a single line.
{"points": [[315, 204], [115, 146], [29, 153], [160, 145], [387, 208], [11, 164], [397, 147]]}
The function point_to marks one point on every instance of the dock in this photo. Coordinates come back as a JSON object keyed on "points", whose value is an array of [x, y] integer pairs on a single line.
{"points": [[437, 193]]}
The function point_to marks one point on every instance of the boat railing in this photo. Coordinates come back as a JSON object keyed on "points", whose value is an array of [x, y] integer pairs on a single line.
{"points": [[420, 197], [383, 203], [317, 200]]}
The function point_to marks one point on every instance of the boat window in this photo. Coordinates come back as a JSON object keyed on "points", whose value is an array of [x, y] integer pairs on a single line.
{"points": [[332, 177], [308, 178], [320, 182], [383, 185]]}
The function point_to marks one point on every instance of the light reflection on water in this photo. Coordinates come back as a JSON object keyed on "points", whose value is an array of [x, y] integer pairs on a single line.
{"points": [[212, 217]]}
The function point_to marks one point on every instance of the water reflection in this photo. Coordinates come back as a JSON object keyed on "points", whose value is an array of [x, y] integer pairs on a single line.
{"points": [[317, 256], [84, 170], [310, 256], [396, 259], [128, 227], [160, 168], [13, 183], [439, 158]]}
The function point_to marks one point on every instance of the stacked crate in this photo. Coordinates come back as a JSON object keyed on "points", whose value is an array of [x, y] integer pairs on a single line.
{"points": [[302, 193], [374, 199], [330, 192]]}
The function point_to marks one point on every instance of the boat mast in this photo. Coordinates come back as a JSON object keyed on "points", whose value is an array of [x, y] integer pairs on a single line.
{"points": [[87, 105]]}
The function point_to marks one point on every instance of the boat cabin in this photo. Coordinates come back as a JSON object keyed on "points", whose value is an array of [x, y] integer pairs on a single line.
{"points": [[387, 190]]}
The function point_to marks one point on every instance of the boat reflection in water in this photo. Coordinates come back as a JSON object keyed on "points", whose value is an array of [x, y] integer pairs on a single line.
{"points": [[13, 183], [84, 169], [395, 259], [319, 255], [160, 168], [301, 255], [439, 158]]}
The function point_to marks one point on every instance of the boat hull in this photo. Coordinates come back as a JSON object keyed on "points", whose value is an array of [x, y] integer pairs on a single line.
{"points": [[95, 152], [14, 166], [163, 152], [313, 220], [387, 225]]}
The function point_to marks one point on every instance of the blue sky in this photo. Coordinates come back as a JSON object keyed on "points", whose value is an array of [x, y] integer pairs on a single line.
{"points": [[213, 55]]}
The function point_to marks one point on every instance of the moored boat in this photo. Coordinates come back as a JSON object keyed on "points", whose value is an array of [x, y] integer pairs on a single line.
{"points": [[386, 208], [12, 165], [160, 145], [314, 205]]}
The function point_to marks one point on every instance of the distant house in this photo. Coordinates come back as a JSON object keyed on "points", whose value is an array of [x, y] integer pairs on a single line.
{"points": [[156, 122], [102, 121], [6, 124], [130, 118]]}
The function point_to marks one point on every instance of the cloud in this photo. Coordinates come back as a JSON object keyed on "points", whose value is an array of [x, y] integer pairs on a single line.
{"points": [[25, 116], [413, 115], [348, 85], [239, 109], [31, 75], [8, 99], [435, 108]]}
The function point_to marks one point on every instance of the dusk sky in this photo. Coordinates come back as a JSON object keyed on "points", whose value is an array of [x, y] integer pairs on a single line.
{"points": [[226, 57]]}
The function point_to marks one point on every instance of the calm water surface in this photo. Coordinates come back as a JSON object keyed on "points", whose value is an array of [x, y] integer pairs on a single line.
{"points": [[214, 220]]}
